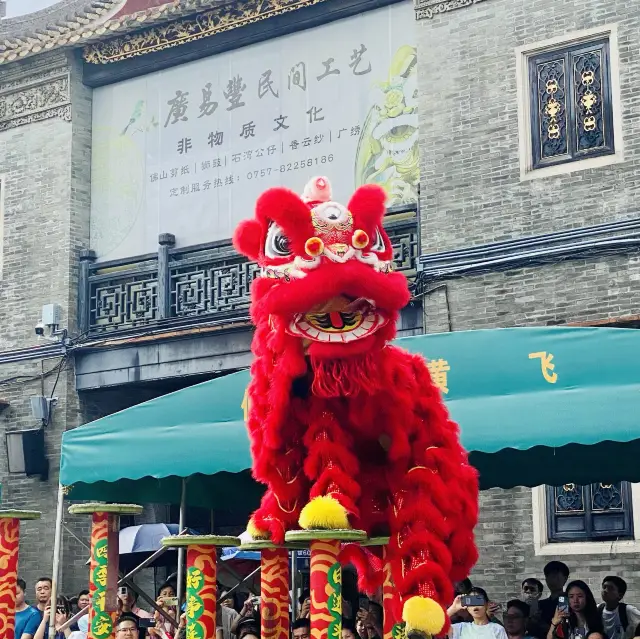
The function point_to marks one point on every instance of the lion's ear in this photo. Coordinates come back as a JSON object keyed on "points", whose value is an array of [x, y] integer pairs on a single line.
{"points": [[247, 239], [368, 205], [282, 206]]}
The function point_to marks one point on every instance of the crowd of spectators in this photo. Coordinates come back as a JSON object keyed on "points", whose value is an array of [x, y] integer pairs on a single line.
{"points": [[569, 611], [556, 609]]}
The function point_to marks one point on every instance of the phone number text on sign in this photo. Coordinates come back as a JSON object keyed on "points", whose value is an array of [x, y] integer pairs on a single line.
{"points": [[290, 166]]}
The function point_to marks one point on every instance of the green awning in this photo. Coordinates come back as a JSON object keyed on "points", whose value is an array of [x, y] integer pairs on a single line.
{"points": [[535, 405]]}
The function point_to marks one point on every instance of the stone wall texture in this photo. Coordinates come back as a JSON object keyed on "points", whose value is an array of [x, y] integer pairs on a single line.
{"points": [[45, 172], [471, 189], [472, 194]]}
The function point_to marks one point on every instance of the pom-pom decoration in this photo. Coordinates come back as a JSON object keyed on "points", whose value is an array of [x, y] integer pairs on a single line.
{"points": [[314, 246], [360, 239]]}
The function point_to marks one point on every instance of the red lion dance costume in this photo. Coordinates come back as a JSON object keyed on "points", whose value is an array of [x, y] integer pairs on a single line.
{"points": [[346, 430]]}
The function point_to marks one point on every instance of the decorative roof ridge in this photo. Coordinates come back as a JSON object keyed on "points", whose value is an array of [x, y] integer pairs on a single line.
{"points": [[62, 24], [72, 23], [220, 16], [61, 13]]}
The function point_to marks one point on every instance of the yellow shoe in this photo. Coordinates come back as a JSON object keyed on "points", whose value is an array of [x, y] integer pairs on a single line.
{"points": [[324, 513], [424, 616]]}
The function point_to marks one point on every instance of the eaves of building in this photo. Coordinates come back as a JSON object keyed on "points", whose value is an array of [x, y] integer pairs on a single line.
{"points": [[75, 23]]}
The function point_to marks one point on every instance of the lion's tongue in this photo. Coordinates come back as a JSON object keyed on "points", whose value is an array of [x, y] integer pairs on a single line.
{"points": [[336, 320]]}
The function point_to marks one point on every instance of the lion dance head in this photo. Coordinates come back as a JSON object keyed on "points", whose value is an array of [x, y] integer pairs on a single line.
{"points": [[326, 284]]}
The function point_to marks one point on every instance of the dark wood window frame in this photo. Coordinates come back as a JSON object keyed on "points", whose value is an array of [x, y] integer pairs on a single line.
{"points": [[565, 92], [595, 512]]}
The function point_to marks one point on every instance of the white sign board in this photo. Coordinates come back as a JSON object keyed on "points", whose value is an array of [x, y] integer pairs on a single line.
{"points": [[188, 150]]}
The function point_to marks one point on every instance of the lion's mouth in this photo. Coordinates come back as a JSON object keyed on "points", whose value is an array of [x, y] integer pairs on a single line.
{"points": [[340, 320]]}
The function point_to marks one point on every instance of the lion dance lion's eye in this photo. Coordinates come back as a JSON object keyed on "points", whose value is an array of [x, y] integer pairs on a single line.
{"points": [[277, 244]]}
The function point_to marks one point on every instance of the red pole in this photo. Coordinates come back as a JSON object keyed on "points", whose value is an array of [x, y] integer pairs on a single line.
{"points": [[274, 593], [9, 547], [201, 591], [326, 590], [101, 591], [393, 626], [9, 541], [103, 564]]}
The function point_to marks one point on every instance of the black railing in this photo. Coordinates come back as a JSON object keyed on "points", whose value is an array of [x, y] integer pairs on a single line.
{"points": [[204, 283]]}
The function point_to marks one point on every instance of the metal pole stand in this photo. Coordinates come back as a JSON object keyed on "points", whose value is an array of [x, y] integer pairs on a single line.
{"points": [[326, 577], [9, 546], [202, 568], [103, 575]]}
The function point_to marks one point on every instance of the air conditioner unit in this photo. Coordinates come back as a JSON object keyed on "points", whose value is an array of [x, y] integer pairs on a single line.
{"points": [[42, 408]]}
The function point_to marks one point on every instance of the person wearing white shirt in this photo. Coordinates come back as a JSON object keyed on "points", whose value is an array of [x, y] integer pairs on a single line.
{"points": [[619, 619], [480, 626]]}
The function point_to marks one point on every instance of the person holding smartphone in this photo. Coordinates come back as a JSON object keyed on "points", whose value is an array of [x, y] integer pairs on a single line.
{"points": [[161, 628], [532, 590], [577, 614], [62, 615], [128, 602], [305, 605], [374, 621], [228, 625], [476, 603], [556, 575]]}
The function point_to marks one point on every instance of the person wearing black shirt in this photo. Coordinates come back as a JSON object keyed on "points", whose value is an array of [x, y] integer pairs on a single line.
{"points": [[556, 574]]}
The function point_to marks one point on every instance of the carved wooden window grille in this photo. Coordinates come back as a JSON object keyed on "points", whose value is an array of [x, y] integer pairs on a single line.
{"points": [[204, 282], [593, 512], [571, 108]]}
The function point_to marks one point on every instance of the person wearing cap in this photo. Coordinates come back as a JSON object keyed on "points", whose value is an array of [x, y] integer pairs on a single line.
{"points": [[248, 628]]}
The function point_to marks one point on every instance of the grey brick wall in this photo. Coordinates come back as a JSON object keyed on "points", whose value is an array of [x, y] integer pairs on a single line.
{"points": [[45, 167], [570, 292], [471, 191], [472, 194]]}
